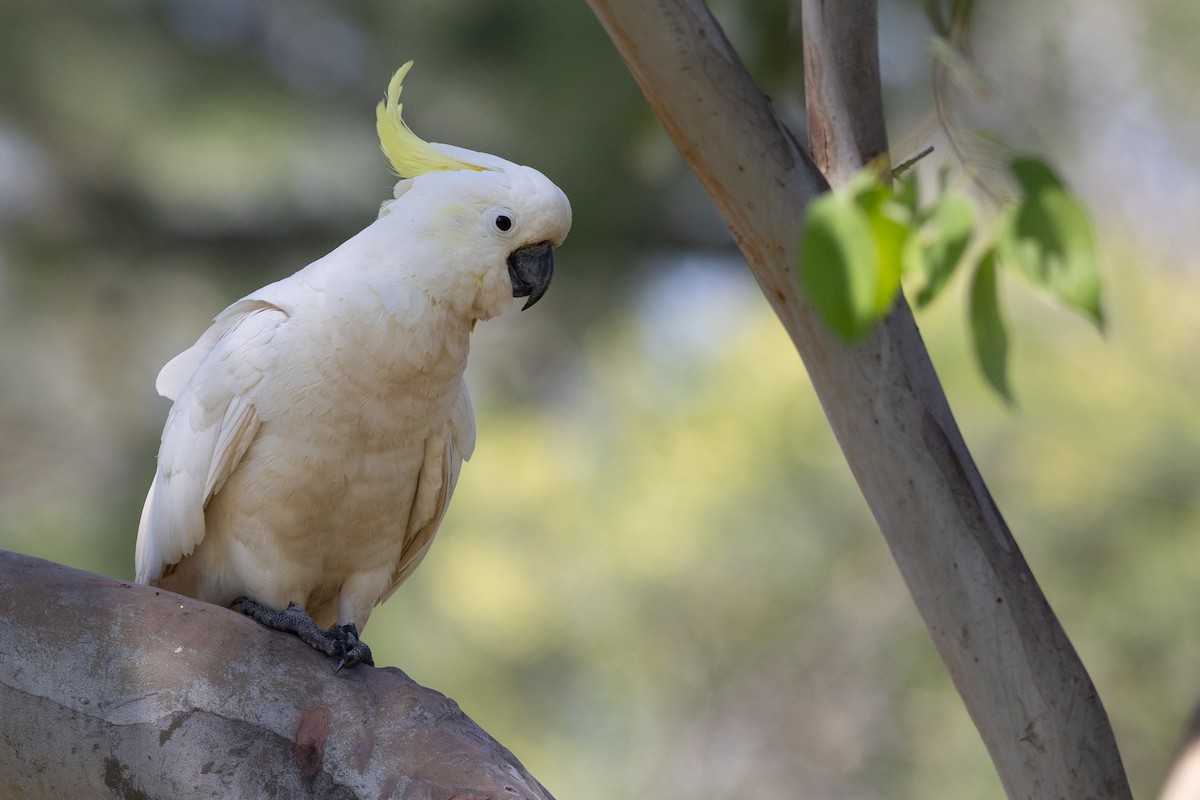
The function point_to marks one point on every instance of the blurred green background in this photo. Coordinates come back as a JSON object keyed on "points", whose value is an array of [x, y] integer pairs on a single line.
{"points": [[657, 578]]}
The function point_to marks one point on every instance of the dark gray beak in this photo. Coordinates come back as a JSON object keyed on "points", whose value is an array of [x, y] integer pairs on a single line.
{"points": [[531, 268]]}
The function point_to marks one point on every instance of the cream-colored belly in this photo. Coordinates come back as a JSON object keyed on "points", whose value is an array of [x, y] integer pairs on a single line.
{"points": [[315, 514]]}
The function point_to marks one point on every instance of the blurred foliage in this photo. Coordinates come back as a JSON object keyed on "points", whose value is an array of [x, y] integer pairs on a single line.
{"points": [[657, 577], [860, 239], [675, 581]]}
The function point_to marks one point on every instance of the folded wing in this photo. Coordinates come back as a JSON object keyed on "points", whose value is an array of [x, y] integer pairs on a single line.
{"points": [[211, 425], [445, 452]]}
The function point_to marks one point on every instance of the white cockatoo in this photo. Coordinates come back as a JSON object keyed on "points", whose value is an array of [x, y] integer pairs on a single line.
{"points": [[319, 425]]}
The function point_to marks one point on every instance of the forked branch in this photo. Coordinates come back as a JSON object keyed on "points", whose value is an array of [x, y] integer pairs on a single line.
{"points": [[1019, 676]]}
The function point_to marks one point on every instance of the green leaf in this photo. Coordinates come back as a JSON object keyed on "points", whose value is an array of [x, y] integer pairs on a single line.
{"points": [[936, 250], [839, 269], [987, 328], [1049, 240], [907, 192], [1034, 175], [890, 224]]}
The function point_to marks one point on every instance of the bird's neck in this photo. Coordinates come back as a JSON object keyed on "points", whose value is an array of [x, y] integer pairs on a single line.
{"points": [[398, 338]]}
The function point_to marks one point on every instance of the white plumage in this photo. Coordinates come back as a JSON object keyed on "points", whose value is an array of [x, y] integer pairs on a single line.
{"points": [[319, 425]]}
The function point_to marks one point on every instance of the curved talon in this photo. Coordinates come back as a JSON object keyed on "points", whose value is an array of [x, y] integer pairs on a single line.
{"points": [[354, 650], [339, 641]]}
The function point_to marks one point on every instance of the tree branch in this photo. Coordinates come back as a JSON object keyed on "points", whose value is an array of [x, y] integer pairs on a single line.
{"points": [[111, 689], [841, 86], [1021, 680]]}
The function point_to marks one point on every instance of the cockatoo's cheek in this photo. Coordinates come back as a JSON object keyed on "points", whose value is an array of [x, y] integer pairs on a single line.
{"points": [[493, 293]]}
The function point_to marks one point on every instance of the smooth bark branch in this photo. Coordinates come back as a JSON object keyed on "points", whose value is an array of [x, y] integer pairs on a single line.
{"points": [[110, 689], [841, 86], [1019, 676]]}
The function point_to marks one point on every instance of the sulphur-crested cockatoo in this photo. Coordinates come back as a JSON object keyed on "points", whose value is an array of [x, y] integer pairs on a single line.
{"points": [[319, 425]]}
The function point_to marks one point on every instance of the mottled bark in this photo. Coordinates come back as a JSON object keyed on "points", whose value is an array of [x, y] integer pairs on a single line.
{"points": [[111, 689]]}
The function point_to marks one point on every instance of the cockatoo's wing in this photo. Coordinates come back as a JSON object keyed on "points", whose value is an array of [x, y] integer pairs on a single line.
{"points": [[208, 430], [445, 452]]}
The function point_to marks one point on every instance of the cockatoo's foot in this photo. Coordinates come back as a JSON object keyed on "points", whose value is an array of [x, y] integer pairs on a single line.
{"points": [[354, 650], [340, 642]]}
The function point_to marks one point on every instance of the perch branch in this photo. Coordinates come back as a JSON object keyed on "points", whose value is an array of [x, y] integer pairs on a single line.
{"points": [[112, 689]]}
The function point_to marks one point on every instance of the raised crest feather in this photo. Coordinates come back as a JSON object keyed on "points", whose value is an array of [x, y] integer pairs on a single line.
{"points": [[408, 154]]}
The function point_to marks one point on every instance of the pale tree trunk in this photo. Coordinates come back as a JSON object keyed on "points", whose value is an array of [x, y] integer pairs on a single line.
{"points": [[111, 689], [1026, 690]]}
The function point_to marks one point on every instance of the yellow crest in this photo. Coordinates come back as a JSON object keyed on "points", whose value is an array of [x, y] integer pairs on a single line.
{"points": [[409, 154]]}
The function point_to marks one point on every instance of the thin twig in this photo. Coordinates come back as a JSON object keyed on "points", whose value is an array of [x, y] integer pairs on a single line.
{"points": [[910, 163]]}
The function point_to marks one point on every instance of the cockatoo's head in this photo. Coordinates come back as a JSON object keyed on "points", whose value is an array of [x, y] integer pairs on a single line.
{"points": [[496, 222]]}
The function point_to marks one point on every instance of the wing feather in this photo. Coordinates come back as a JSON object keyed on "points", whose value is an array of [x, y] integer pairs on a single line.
{"points": [[211, 425], [462, 424], [445, 452]]}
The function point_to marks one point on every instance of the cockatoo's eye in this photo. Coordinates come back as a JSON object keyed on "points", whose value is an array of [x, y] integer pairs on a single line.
{"points": [[501, 220]]}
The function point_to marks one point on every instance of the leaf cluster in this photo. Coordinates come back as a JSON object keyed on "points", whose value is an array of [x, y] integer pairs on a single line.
{"points": [[861, 241]]}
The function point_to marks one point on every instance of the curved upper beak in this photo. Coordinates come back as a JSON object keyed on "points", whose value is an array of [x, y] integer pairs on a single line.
{"points": [[531, 268]]}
